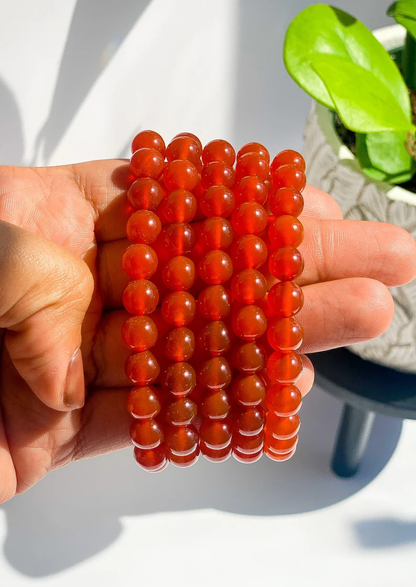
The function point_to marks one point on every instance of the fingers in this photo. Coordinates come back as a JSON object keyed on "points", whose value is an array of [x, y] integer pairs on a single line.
{"points": [[319, 204]]}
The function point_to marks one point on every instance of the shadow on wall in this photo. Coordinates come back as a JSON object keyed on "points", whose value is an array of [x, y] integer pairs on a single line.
{"points": [[385, 533], [11, 145]]}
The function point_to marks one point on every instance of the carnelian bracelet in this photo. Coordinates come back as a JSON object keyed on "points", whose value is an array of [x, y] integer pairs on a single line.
{"points": [[215, 357]]}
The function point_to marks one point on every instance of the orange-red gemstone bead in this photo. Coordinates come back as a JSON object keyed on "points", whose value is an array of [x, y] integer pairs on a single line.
{"points": [[179, 344], [218, 200], [285, 299], [216, 434], [178, 308], [175, 240], [249, 322], [140, 297], [285, 334], [146, 434], [285, 231], [282, 427], [215, 404], [183, 148], [248, 445], [147, 162], [286, 201], [250, 189], [278, 458], [214, 302], [218, 150], [248, 390], [216, 455], [248, 286], [184, 461], [215, 267], [145, 194], [143, 402], [148, 139], [280, 447], [286, 264], [249, 357], [284, 366], [215, 338], [179, 273], [249, 218], [179, 378], [249, 421], [180, 174], [289, 176], [142, 368], [139, 333], [189, 135], [152, 461], [216, 233], [215, 373], [180, 411], [249, 251], [181, 440], [254, 148], [139, 261], [247, 458], [283, 400], [252, 164], [288, 157], [179, 206], [217, 173], [143, 226]]}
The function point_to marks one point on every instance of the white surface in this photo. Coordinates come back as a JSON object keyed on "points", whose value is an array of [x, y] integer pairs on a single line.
{"points": [[76, 83]]}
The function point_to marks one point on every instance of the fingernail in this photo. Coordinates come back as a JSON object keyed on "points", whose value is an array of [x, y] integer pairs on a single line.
{"points": [[74, 394]]}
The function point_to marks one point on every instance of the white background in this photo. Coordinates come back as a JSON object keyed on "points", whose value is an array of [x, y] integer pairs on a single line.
{"points": [[77, 81]]}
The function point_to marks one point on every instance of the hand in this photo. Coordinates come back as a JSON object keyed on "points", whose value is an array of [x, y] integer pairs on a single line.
{"points": [[62, 235]]}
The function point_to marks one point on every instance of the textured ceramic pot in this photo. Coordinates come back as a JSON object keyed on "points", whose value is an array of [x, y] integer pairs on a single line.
{"points": [[333, 168]]}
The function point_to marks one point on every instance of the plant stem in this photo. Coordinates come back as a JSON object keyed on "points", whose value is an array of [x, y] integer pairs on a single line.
{"points": [[409, 62]]}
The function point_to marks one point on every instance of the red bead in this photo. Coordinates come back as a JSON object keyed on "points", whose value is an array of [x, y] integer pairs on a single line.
{"points": [[249, 218], [180, 411], [249, 421], [179, 206], [285, 299], [216, 434], [179, 378], [215, 267], [148, 139], [278, 458], [248, 286], [285, 334], [289, 176], [179, 344], [249, 357], [139, 261], [184, 461], [145, 194], [143, 226], [217, 173], [152, 461], [147, 163], [146, 434], [249, 323], [248, 390], [215, 373], [285, 231], [286, 201], [247, 445], [189, 135], [140, 297], [214, 302], [179, 273], [142, 368], [143, 402], [216, 233], [249, 251], [250, 189], [178, 308], [215, 404], [288, 157], [245, 458], [183, 148], [180, 174], [284, 400], [252, 164], [284, 366], [139, 333], [216, 456], [218, 150], [215, 338], [181, 440], [175, 240], [218, 200], [282, 428], [254, 148], [286, 264], [280, 447]]}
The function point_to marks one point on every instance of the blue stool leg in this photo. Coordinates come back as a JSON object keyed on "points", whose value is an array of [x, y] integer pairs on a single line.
{"points": [[353, 435]]}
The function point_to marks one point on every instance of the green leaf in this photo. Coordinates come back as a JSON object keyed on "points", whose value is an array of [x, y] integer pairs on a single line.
{"points": [[321, 30], [369, 169], [387, 152], [404, 12], [362, 101]]}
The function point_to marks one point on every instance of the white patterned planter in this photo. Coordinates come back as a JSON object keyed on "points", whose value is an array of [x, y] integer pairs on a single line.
{"points": [[333, 168]]}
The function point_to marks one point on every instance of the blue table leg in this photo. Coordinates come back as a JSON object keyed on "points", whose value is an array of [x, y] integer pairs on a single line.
{"points": [[353, 435]]}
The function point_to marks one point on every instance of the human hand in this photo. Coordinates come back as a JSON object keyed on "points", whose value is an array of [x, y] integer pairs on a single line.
{"points": [[62, 236]]}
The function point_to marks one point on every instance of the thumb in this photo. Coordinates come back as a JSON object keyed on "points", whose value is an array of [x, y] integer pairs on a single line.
{"points": [[45, 293]]}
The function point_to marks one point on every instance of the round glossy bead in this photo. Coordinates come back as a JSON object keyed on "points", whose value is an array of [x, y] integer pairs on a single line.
{"points": [[286, 201], [189, 135], [284, 366], [143, 226], [180, 174], [289, 176], [218, 200], [285, 334], [140, 297], [215, 338], [181, 440], [215, 404], [250, 189], [249, 323], [282, 428], [214, 302], [178, 308], [248, 390], [179, 378], [288, 157], [247, 459], [216, 434], [215, 267], [183, 148], [179, 206], [175, 240], [152, 461], [278, 458], [179, 344], [215, 373], [216, 456], [146, 434], [280, 447], [184, 461], [252, 164], [285, 231], [249, 251], [139, 261], [145, 194], [286, 264], [218, 150], [139, 333], [247, 445], [216, 233], [285, 299], [180, 411], [254, 148], [143, 402], [142, 368], [217, 173], [284, 400], [148, 139], [249, 218], [248, 286], [249, 357], [179, 273], [249, 421], [147, 163]]}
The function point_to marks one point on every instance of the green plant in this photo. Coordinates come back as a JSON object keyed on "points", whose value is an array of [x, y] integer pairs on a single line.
{"points": [[337, 60]]}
